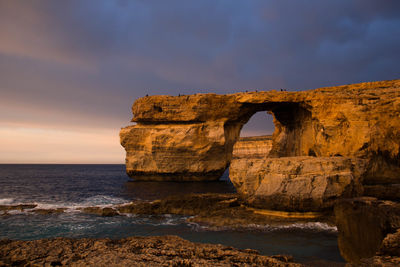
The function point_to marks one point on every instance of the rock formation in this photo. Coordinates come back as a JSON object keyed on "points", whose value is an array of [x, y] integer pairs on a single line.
{"points": [[295, 183], [327, 142], [363, 224], [252, 147], [131, 251]]}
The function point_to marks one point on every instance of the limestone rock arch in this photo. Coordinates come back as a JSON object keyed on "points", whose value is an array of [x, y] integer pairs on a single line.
{"points": [[352, 131]]}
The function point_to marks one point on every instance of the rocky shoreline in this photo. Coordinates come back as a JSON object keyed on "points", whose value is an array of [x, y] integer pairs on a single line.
{"points": [[131, 251], [210, 209], [368, 227]]}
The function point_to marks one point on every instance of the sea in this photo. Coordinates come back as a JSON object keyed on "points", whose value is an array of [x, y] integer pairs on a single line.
{"points": [[75, 186]]}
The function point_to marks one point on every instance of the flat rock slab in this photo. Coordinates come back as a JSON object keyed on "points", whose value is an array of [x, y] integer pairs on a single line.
{"points": [[131, 251]]}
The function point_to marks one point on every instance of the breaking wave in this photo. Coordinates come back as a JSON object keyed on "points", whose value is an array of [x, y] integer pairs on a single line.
{"points": [[308, 226], [100, 201]]}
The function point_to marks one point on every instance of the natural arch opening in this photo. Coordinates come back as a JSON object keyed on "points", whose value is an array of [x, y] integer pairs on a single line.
{"points": [[255, 136], [273, 129], [276, 129], [260, 124]]}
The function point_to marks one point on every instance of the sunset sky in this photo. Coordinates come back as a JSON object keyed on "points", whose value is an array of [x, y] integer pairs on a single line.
{"points": [[70, 70]]}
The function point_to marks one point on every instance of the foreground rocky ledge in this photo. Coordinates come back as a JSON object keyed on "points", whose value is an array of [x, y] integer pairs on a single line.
{"points": [[369, 228], [131, 251]]}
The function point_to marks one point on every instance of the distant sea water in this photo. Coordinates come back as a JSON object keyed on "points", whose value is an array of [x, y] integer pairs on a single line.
{"points": [[74, 186]]}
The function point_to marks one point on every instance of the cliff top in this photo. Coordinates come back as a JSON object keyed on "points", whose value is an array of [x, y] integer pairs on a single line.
{"points": [[232, 107]]}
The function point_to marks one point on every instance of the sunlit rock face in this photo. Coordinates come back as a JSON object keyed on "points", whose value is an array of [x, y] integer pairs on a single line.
{"points": [[176, 152], [190, 138], [252, 147], [296, 183], [184, 138]]}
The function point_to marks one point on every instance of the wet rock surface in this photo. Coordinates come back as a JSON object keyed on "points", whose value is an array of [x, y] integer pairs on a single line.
{"points": [[48, 211], [106, 212], [185, 204], [132, 251], [20, 207], [219, 210], [211, 209]]}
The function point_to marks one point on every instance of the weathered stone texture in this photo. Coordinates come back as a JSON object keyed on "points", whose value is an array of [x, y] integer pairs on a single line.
{"points": [[131, 251], [252, 147], [295, 183], [360, 120], [176, 152], [353, 131]]}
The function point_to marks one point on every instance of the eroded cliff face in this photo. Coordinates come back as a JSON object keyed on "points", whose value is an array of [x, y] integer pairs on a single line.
{"points": [[353, 130], [176, 152], [296, 183]]}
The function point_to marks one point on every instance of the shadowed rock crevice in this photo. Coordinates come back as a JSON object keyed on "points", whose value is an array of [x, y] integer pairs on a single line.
{"points": [[292, 124], [364, 224]]}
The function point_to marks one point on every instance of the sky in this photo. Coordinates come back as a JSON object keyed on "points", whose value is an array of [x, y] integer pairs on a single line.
{"points": [[70, 70]]}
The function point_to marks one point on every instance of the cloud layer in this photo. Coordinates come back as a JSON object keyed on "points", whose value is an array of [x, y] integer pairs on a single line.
{"points": [[80, 64]]}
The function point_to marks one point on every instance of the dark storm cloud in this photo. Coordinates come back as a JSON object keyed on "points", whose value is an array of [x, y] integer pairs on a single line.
{"points": [[84, 62]]}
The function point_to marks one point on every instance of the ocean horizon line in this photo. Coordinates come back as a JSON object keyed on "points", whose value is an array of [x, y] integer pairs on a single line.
{"points": [[61, 163]]}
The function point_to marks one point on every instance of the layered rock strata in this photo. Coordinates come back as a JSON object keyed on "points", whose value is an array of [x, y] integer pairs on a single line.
{"points": [[296, 183], [252, 147], [176, 152], [353, 129]]}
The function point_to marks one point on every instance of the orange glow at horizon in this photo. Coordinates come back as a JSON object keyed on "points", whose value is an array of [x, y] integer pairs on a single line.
{"points": [[41, 145]]}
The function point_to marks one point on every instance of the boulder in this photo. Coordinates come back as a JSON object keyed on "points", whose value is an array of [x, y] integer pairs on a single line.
{"points": [[391, 244], [296, 183], [363, 223]]}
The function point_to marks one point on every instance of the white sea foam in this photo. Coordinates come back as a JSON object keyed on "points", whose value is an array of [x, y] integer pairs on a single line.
{"points": [[170, 219], [95, 201], [80, 227], [100, 201], [6, 201], [157, 220], [309, 226]]}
